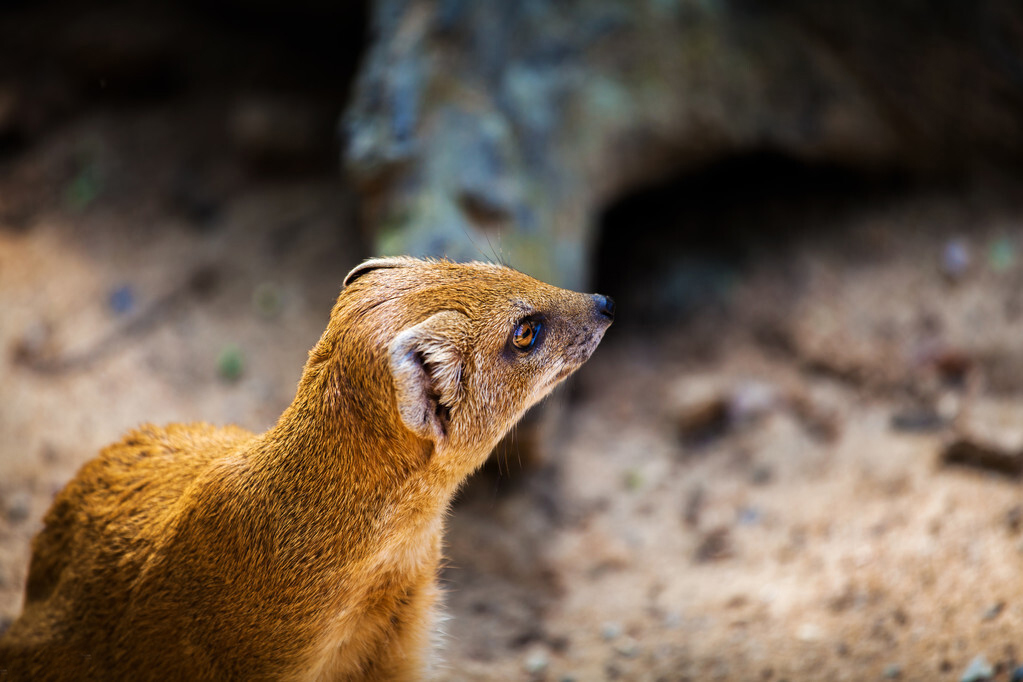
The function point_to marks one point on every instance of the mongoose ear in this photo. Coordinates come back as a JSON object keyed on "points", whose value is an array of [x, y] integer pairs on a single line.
{"points": [[376, 264], [427, 363]]}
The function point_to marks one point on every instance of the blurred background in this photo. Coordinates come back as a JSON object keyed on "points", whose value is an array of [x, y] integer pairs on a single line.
{"points": [[796, 455]]}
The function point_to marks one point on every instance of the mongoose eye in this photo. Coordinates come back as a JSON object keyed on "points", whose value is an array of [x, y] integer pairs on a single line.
{"points": [[526, 334]]}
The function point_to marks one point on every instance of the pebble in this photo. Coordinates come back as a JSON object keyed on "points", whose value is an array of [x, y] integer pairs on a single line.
{"points": [[749, 516], [536, 661], [267, 300], [715, 545], [892, 671], [978, 670], [231, 363], [672, 620], [988, 436], [700, 406], [761, 475], [1014, 518], [18, 507], [85, 187], [611, 630], [751, 400], [633, 479], [628, 647], [694, 505], [1002, 255], [917, 420], [809, 632], [993, 611], [122, 300], [955, 258]]}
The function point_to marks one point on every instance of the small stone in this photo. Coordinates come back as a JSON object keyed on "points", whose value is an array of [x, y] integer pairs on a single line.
{"points": [[988, 436], [231, 363], [749, 516], [633, 480], [761, 475], [700, 406], [121, 300], [694, 506], [715, 545], [809, 632], [1002, 254], [36, 343], [955, 258], [978, 670], [536, 661], [267, 300], [611, 630], [993, 611], [628, 647], [1014, 518], [917, 420], [85, 187], [751, 400], [18, 507], [892, 671]]}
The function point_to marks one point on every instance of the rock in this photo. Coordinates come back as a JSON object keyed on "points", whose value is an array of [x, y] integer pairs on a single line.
{"points": [[989, 435], [36, 344], [1014, 518], [699, 406], [993, 611], [809, 632], [268, 300], [715, 545], [955, 259], [536, 661], [231, 363], [748, 401], [627, 648], [978, 670], [121, 299], [917, 420], [611, 631], [694, 506], [1002, 254], [507, 125], [18, 507]]}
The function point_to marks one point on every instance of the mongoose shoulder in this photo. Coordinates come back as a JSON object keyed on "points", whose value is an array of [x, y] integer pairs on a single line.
{"points": [[309, 552]]}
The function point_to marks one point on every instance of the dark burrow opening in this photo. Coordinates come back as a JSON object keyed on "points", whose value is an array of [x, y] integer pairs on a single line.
{"points": [[674, 249]]}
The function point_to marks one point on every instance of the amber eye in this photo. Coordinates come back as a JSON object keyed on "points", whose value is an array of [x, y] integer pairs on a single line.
{"points": [[526, 334]]}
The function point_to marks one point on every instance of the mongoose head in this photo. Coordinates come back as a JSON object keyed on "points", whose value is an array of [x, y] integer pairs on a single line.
{"points": [[461, 349]]}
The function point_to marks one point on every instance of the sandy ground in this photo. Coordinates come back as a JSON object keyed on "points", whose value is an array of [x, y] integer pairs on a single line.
{"points": [[806, 530]]}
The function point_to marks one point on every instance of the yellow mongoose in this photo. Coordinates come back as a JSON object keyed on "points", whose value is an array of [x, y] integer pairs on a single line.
{"points": [[309, 552]]}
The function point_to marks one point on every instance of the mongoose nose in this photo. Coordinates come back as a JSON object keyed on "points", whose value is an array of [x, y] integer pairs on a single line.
{"points": [[605, 305]]}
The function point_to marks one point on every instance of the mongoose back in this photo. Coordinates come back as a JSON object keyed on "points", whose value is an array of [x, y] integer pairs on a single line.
{"points": [[309, 552]]}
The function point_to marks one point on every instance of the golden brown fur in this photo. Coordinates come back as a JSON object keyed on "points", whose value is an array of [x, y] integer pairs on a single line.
{"points": [[309, 552]]}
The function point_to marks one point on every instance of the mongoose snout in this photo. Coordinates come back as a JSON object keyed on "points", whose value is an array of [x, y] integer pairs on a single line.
{"points": [[311, 551], [605, 306]]}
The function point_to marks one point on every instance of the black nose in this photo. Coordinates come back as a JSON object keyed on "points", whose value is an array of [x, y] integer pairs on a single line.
{"points": [[605, 306]]}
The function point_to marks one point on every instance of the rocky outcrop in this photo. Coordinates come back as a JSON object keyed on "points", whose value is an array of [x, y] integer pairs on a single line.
{"points": [[499, 129]]}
